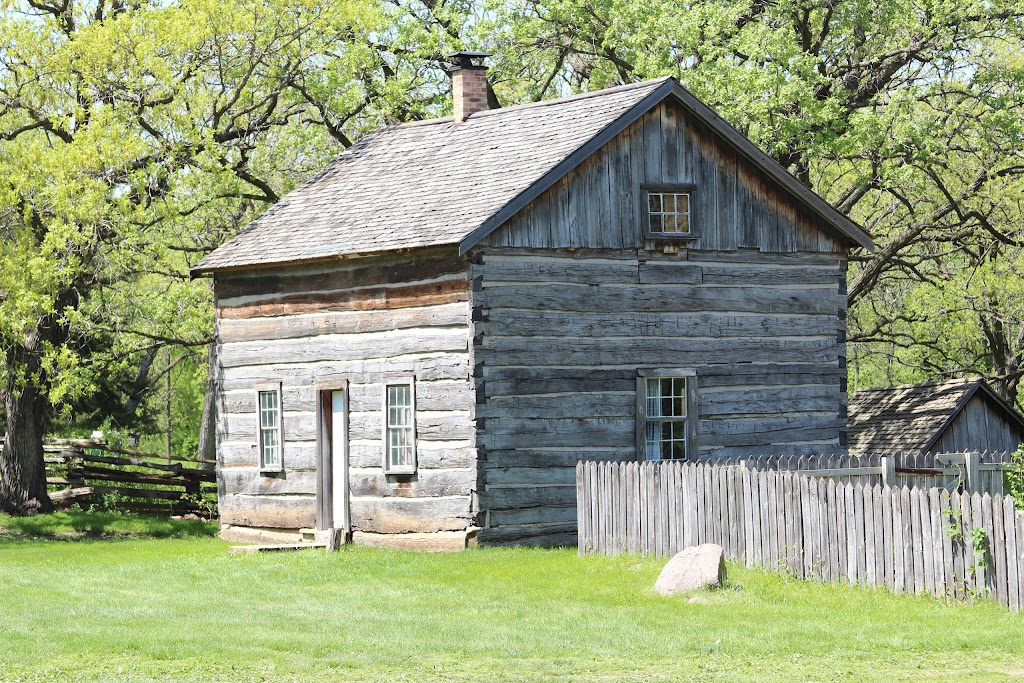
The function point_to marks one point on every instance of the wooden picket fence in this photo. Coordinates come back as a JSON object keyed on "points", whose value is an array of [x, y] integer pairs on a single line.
{"points": [[957, 545]]}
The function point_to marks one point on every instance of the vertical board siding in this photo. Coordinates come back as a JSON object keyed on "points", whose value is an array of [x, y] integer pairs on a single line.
{"points": [[980, 425], [597, 205], [950, 544]]}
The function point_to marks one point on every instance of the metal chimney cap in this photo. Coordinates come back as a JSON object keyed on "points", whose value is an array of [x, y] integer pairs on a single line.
{"points": [[464, 60]]}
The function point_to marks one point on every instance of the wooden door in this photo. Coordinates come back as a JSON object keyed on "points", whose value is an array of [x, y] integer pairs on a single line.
{"points": [[332, 465]]}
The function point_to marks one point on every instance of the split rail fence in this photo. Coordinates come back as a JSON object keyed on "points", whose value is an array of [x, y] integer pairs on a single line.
{"points": [[958, 545], [92, 472]]}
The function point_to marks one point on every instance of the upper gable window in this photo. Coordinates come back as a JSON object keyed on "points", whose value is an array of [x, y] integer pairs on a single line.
{"points": [[669, 211]]}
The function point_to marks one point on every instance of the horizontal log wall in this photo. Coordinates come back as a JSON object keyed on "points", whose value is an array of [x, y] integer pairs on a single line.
{"points": [[560, 336], [359, 320]]}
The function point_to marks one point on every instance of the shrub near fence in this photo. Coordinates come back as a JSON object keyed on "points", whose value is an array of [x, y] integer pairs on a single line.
{"points": [[912, 540]]}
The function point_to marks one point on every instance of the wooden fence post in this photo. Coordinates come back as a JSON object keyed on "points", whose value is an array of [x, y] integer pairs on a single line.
{"points": [[888, 472], [972, 472]]}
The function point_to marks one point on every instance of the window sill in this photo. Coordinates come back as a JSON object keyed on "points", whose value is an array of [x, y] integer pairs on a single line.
{"points": [[401, 471], [271, 471]]}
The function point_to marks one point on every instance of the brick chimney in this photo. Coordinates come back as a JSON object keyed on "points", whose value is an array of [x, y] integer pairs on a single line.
{"points": [[469, 84]]}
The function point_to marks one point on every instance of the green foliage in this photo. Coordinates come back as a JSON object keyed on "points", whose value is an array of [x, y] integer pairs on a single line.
{"points": [[1014, 478], [100, 610], [980, 544], [135, 138]]}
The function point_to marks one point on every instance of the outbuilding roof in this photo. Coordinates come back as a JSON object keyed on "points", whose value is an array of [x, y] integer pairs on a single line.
{"points": [[912, 417], [439, 182]]}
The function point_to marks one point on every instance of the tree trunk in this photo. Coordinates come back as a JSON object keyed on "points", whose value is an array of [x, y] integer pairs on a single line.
{"points": [[22, 470], [208, 426]]}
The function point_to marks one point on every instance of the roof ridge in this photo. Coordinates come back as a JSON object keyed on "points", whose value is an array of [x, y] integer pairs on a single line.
{"points": [[913, 385], [534, 105]]}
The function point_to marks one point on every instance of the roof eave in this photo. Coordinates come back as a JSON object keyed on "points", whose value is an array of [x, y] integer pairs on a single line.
{"points": [[200, 271]]}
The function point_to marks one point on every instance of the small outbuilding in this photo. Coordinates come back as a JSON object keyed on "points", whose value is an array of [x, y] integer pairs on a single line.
{"points": [[417, 346], [953, 416]]}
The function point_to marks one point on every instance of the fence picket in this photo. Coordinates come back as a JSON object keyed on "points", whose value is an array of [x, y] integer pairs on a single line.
{"points": [[1012, 563], [990, 574], [899, 576], [977, 522], [832, 552], [774, 521], [870, 576], [852, 532], [793, 559], [927, 540], [917, 545], [935, 530], [690, 509], [807, 548], [946, 535], [841, 572], [997, 543], [1019, 528], [748, 516]]}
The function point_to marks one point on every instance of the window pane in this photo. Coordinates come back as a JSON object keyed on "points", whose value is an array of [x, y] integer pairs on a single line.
{"points": [[656, 222], [268, 409], [678, 441], [683, 203], [683, 222], [654, 398], [654, 201], [653, 441]]}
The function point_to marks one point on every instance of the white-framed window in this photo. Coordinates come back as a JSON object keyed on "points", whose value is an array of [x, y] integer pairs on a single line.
{"points": [[271, 430], [669, 211], [666, 414], [399, 426]]}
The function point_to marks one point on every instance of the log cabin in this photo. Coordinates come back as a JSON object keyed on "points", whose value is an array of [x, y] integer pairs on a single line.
{"points": [[417, 346]]}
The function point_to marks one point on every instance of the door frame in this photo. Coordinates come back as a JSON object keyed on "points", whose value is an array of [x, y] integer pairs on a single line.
{"points": [[325, 492]]}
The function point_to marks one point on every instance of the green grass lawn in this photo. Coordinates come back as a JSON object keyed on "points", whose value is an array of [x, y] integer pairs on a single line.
{"points": [[107, 606]]}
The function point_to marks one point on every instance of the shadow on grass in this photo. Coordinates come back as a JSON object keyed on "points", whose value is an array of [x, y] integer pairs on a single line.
{"points": [[71, 525]]}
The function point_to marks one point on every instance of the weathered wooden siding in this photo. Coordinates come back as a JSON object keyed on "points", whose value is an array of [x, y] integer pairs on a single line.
{"points": [[979, 426], [735, 206], [560, 336], [357, 320]]}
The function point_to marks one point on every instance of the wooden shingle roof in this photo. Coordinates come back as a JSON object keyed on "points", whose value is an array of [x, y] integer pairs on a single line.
{"points": [[911, 417], [438, 182]]}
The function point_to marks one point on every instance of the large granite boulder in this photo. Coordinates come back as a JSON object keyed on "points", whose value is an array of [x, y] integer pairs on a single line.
{"points": [[700, 566]]}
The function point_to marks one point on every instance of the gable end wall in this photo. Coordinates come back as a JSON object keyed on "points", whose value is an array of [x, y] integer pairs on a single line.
{"points": [[980, 425]]}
